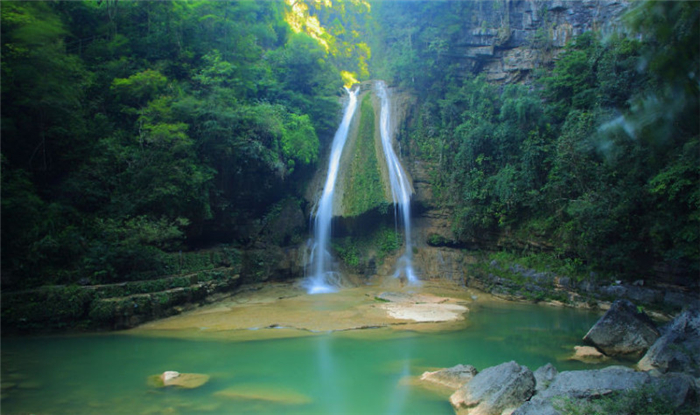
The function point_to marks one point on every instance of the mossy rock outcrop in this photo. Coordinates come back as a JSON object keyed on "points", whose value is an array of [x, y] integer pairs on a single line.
{"points": [[111, 306]]}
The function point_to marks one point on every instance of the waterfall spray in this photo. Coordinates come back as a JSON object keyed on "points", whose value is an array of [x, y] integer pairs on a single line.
{"points": [[323, 278], [400, 187]]}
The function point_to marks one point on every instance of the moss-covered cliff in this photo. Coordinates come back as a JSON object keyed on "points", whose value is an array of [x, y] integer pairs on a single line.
{"points": [[362, 188], [363, 185]]}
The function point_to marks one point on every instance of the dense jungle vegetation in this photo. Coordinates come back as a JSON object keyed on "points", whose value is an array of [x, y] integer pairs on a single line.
{"points": [[597, 158], [134, 130]]}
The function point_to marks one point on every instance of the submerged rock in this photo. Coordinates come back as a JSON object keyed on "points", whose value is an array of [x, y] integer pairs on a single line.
{"points": [[678, 350], [496, 390], [169, 375], [264, 393], [182, 380], [623, 330], [588, 354], [453, 377]]}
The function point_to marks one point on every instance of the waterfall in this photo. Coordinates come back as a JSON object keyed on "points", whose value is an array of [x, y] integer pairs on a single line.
{"points": [[323, 278], [400, 187]]}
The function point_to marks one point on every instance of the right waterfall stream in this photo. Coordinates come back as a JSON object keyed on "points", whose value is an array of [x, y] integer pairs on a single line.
{"points": [[400, 186]]}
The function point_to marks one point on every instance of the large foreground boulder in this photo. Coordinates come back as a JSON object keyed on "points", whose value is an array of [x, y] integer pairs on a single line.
{"points": [[678, 350], [623, 331], [583, 384], [584, 389], [544, 376], [495, 390]]}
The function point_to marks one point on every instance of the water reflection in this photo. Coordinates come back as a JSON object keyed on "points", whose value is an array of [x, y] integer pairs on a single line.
{"points": [[329, 387], [331, 373]]}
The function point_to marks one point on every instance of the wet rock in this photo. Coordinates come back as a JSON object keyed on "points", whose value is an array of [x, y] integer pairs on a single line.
{"points": [[615, 291], [678, 350], [565, 282], [591, 383], [677, 388], [495, 390], [588, 354], [623, 330], [587, 385], [588, 286], [453, 377], [264, 393], [169, 375], [182, 380], [544, 376], [543, 278], [583, 384], [680, 300], [431, 312], [644, 295]]}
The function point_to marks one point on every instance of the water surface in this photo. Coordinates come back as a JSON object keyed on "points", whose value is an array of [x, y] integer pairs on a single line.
{"points": [[352, 372]]}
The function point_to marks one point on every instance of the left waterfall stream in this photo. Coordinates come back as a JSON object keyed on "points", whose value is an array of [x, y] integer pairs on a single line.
{"points": [[321, 276]]}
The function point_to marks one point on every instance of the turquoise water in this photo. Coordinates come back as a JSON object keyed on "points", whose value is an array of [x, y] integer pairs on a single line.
{"points": [[363, 372]]}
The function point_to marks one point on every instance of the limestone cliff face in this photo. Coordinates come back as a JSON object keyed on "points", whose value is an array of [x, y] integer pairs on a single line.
{"points": [[506, 39]]}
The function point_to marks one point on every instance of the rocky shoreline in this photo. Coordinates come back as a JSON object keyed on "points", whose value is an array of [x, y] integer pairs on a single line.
{"points": [[667, 378], [514, 282]]}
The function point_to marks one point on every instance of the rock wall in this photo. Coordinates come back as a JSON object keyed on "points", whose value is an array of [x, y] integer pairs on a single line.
{"points": [[507, 39]]}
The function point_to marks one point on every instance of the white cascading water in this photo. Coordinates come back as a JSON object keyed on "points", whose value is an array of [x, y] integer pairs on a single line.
{"points": [[323, 278], [400, 187]]}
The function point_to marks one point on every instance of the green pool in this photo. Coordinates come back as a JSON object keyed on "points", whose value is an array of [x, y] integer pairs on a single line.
{"points": [[360, 372]]}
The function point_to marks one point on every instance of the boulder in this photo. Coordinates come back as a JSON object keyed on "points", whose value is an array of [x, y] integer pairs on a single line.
{"points": [[421, 307], [623, 330], [677, 388], [453, 377], [588, 354], [544, 376], [678, 350], [593, 383], [169, 375], [495, 390], [588, 385], [583, 384], [181, 380]]}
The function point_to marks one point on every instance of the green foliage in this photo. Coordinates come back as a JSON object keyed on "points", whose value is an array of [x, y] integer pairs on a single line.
{"points": [[643, 400], [370, 245], [388, 242], [593, 158], [299, 140], [133, 128], [555, 262], [139, 88], [348, 252], [364, 190]]}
